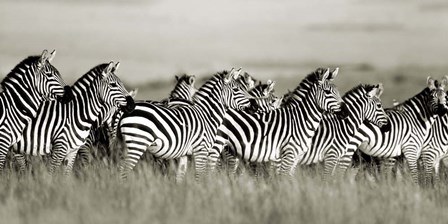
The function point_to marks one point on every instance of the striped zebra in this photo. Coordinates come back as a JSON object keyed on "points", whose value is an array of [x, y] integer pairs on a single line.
{"points": [[410, 123], [181, 95], [25, 88], [284, 133], [170, 133], [60, 129], [435, 150], [99, 133], [333, 134]]}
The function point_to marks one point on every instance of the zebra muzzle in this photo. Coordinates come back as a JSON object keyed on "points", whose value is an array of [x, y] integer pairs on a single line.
{"points": [[441, 110], [68, 95], [130, 105], [386, 127], [344, 112]]}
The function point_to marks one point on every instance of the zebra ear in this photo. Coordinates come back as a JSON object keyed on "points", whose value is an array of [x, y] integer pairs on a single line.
{"points": [[43, 58], [380, 90], [228, 76], [108, 69], [237, 73], [133, 93], [116, 66], [333, 74], [430, 83], [324, 76], [373, 92], [191, 80], [444, 82], [51, 56], [271, 85]]}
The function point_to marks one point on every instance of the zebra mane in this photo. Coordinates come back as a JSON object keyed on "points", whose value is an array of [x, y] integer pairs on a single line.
{"points": [[366, 87], [304, 85], [400, 105], [181, 79], [91, 75], [214, 79], [17, 70]]}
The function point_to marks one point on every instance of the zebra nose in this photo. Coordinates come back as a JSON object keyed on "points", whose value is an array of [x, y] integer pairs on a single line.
{"points": [[344, 112], [68, 95], [130, 105], [386, 127], [441, 110], [253, 105]]}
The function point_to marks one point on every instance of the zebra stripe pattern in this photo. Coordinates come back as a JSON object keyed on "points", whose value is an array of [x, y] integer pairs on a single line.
{"points": [[333, 134], [284, 133], [60, 129], [410, 125], [175, 132], [25, 88]]}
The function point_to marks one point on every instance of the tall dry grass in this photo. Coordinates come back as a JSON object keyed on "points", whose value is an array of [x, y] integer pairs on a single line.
{"points": [[96, 195]]}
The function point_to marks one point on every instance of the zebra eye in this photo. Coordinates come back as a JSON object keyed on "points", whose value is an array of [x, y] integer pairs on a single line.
{"points": [[326, 91], [114, 85]]}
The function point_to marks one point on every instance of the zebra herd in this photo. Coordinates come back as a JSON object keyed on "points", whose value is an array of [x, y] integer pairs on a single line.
{"points": [[228, 119]]}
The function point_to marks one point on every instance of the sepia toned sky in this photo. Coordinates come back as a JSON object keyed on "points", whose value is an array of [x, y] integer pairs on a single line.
{"points": [[157, 39]]}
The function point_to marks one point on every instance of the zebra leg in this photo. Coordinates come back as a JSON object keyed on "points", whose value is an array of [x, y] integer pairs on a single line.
{"points": [[428, 165], [84, 155], [58, 154], [70, 158], [436, 172], [20, 161], [134, 154], [232, 162], [289, 161], [181, 169], [213, 159], [330, 163], [200, 162], [411, 157]]}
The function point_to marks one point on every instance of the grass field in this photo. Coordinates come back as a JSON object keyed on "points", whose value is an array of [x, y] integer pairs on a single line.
{"points": [[398, 43], [99, 197]]}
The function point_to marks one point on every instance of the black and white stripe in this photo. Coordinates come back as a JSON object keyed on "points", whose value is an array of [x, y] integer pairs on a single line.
{"points": [[333, 135], [283, 134], [171, 133], [410, 124], [60, 129], [25, 88]]}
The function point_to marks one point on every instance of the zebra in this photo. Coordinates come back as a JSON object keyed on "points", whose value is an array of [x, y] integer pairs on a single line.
{"points": [[435, 149], [60, 129], [333, 134], [181, 95], [284, 133], [410, 124], [170, 133], [100, 132], [29, 84]]}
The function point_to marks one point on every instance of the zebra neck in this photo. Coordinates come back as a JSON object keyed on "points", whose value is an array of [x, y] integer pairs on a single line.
{"points": [[356, 105], [308, 110], [416, 109], [86, 107], [24, 99], [209, 101]]}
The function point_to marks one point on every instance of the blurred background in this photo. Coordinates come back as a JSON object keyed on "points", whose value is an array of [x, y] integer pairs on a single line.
{"points": [[398, 43]]}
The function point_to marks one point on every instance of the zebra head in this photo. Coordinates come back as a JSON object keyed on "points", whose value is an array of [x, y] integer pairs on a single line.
{"points": [[184, 88], [437, 96], [245, 81], [327, 96], [48, 81], [263, 90], [233, 93], [112, 90], [373, 109]]}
